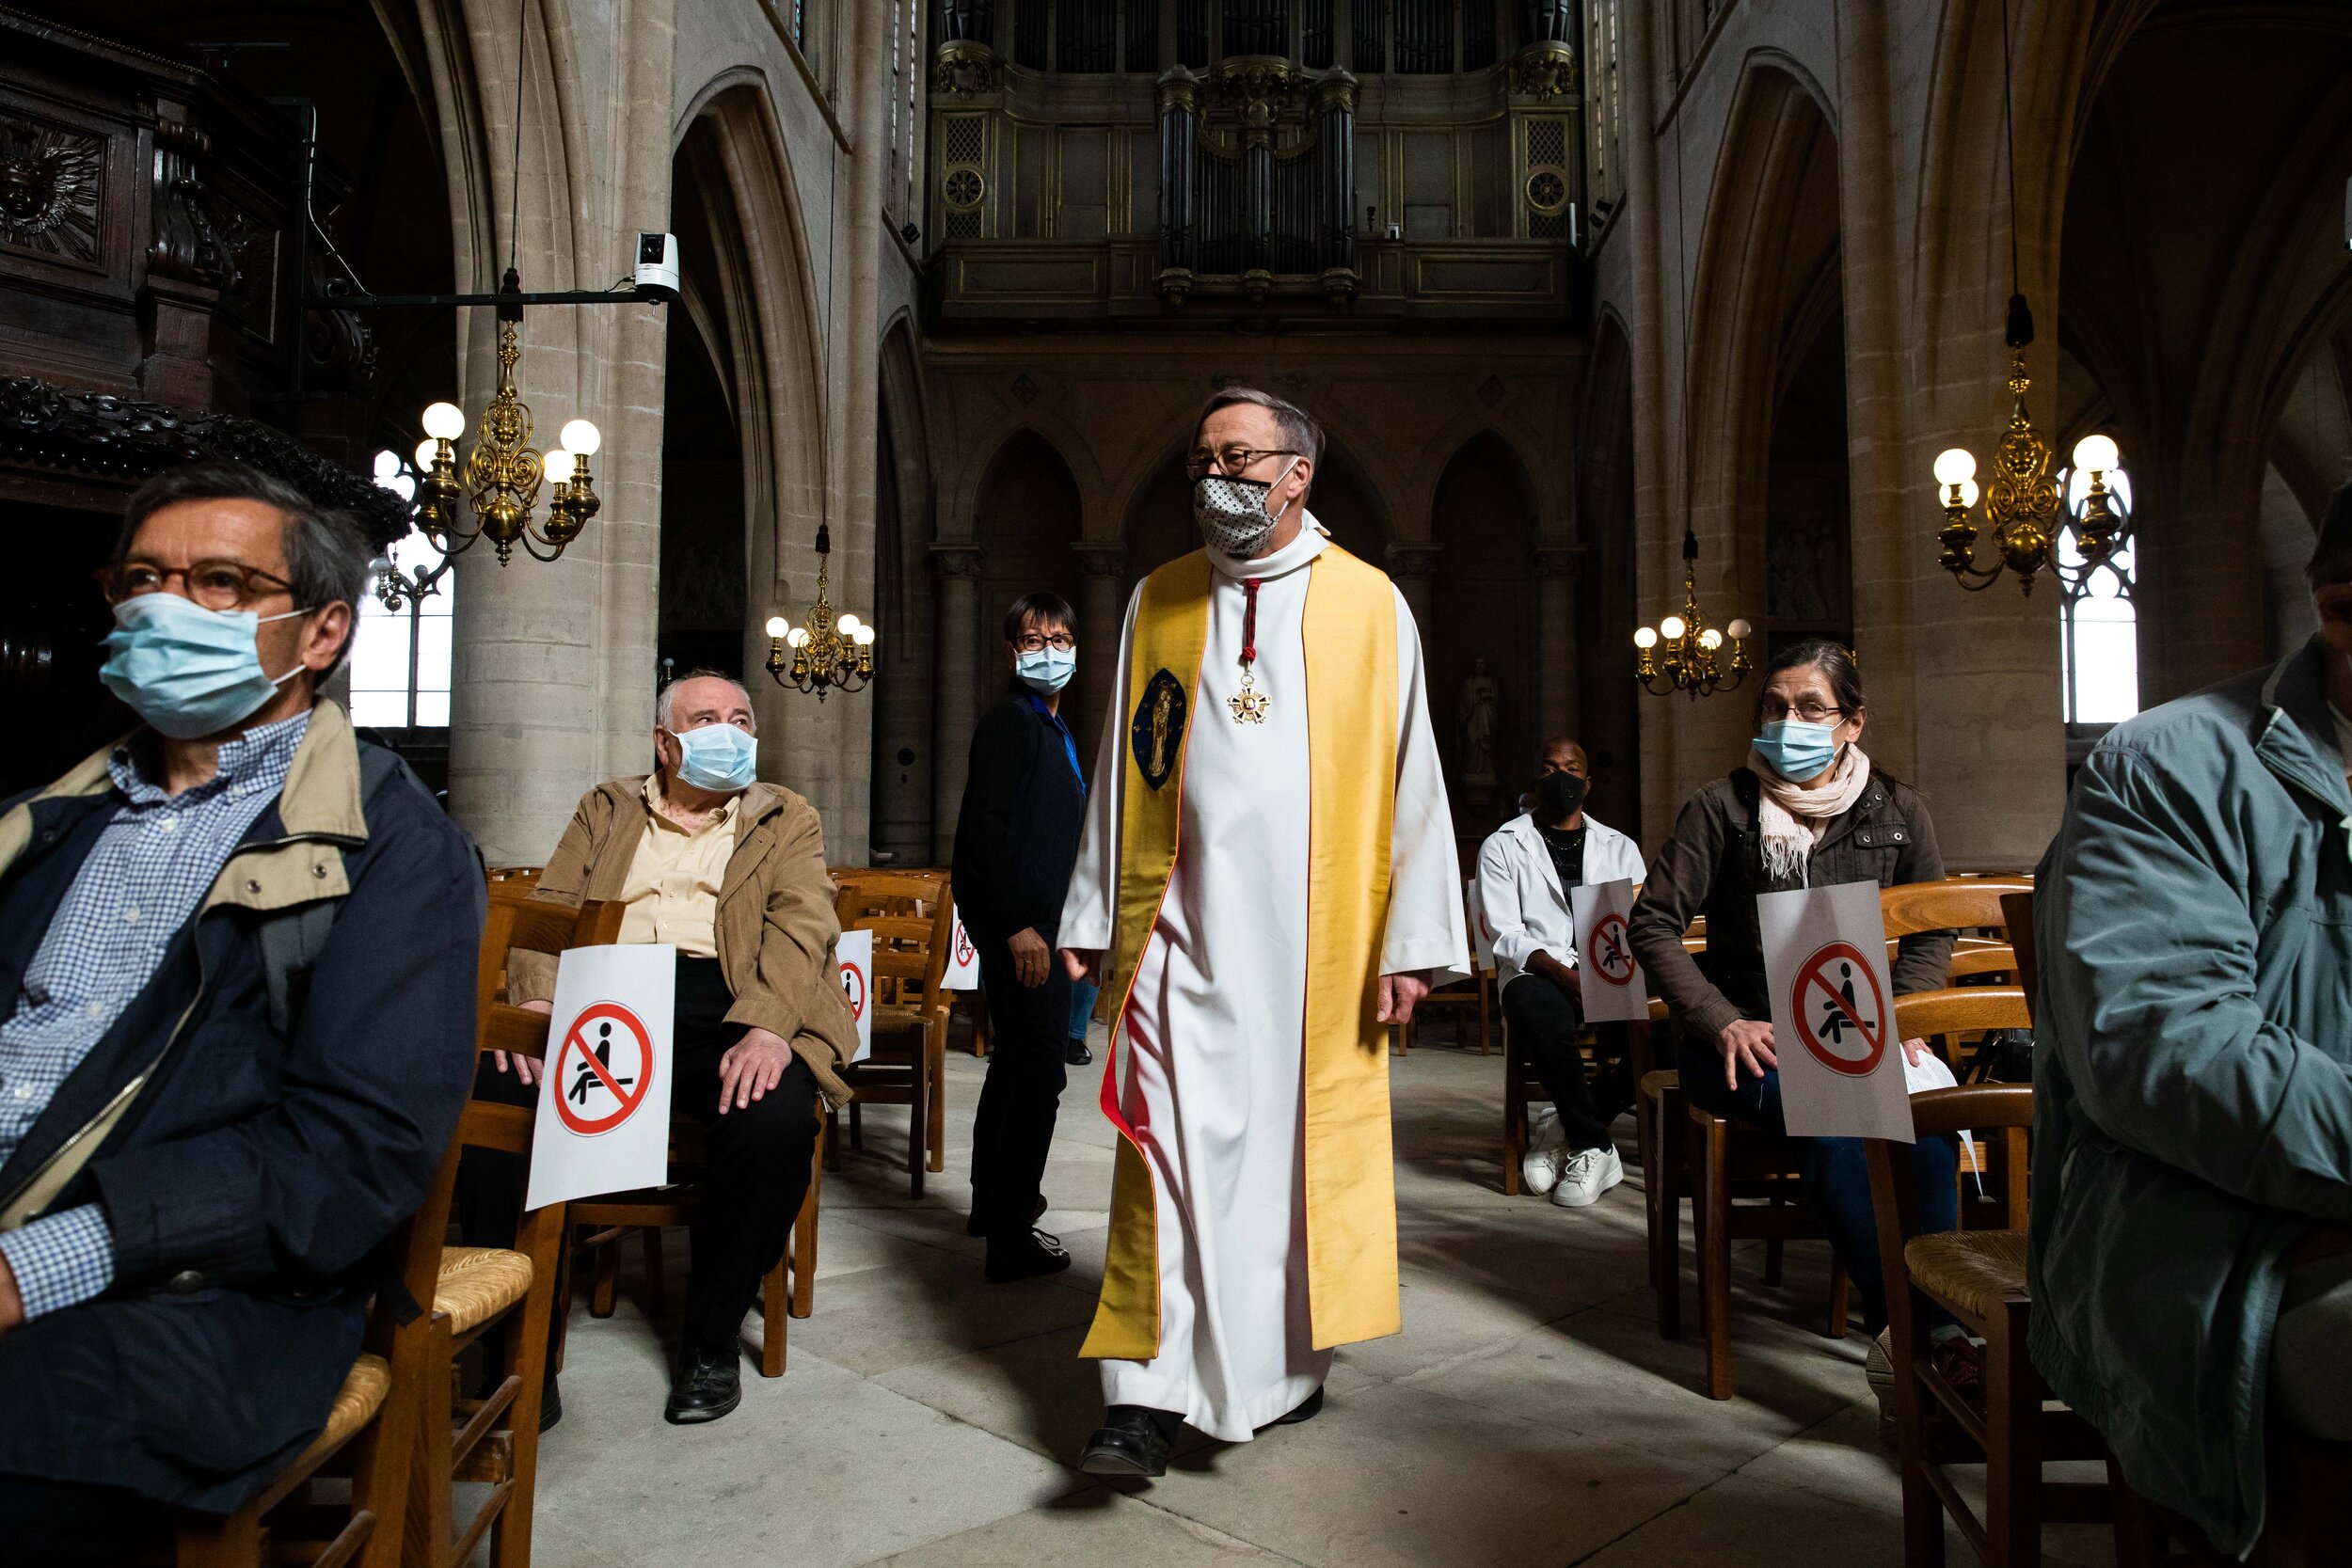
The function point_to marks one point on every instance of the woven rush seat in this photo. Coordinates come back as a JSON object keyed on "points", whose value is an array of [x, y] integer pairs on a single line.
{"points": [[356, 1403], [478, 1283], [1974, 1271], [896, 1018]]}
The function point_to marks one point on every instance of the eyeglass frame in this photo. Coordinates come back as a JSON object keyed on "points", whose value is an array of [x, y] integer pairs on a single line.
{"points": [[1194, 468], [110, 577], [1814, 716], [1061, 642]]}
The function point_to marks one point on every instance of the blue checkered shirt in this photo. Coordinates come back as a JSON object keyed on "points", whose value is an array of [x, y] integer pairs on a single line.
{"points": [[150, 868]]}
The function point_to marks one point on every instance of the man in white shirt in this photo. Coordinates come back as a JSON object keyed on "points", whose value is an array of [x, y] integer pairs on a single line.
{"points": [[1526, 870]]}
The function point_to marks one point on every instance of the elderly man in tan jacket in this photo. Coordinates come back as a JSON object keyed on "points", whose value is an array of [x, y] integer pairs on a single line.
{"points": [[731, 871]]}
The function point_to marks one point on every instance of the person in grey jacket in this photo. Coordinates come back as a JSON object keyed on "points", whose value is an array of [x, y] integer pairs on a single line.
{"points": [[2193, 1077], [1807, 811]]}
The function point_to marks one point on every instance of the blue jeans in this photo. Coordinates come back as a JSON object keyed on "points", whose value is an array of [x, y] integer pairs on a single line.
{"points": [[1082, 994], [1836, 1174]]}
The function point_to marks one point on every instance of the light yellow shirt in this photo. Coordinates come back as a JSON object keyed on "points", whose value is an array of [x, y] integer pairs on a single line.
{"points": [[673, 885]]}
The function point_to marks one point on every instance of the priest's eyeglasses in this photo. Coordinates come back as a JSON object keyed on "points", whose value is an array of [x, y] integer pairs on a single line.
{"points": [[1232, 460], [216, 583], [1038, 642], [1772, 710]]}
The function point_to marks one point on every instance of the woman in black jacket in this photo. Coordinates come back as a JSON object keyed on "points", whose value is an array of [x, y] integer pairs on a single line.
{"points": [[1016, 840], [1808, 810]]}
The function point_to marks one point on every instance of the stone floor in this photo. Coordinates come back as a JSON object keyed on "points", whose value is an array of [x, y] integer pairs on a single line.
{"points": [[1529, 1414]]}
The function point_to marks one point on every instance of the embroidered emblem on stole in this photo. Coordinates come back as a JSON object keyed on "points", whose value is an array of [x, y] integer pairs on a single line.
{"points": [[1157, 732]]}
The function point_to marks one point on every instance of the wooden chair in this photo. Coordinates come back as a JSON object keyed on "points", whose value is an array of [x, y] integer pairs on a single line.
{"points": [[370, 1435], [1477, 991], [908, 1062], [1979, 1277], [1969, 905], [789, 1288], [495, 1440], [859, 893]]}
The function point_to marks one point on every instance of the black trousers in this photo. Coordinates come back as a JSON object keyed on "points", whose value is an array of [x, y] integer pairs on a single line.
{"points": [[755, 1176], [59, 1522], [1545, 1020], [1014, 1127]]}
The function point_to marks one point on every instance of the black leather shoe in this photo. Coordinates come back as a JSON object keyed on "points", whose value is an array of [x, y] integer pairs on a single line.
{"points": [[1030, 1258], [1130, 1443], [551, 1407], [1078, 1054], [709, 1384], [1308, 1408], [974, 1226]]}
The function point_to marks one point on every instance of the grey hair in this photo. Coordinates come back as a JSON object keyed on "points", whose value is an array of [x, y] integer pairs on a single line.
{"points": [[327, 556], [665, 702], [1298, 426]]}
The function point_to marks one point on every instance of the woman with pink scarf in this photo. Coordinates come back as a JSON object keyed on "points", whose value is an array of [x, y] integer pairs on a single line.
{"points": [[1807, 810]]}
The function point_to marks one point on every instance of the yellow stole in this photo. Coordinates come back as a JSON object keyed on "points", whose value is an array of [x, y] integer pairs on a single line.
{"points": [[1349, 630]]}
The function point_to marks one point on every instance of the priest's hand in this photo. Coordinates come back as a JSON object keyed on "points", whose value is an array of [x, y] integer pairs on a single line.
{"points": [[1032, 960], [1398, 993], [1082, 964], [752, 1066], [1745, 1042]]}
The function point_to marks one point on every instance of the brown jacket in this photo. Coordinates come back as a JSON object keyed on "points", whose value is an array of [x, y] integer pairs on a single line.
{"points": [[775, 923], [1713, 865]]}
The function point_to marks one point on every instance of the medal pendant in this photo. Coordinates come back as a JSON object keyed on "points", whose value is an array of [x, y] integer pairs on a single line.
{"points": [[1249, 705]]}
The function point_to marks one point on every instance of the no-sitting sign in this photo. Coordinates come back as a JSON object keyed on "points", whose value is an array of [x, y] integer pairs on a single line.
{"points": [[604, 1104], [1841, 1073]]}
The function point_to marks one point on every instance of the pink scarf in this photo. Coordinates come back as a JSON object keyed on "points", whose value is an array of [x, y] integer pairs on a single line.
{"points": [[1792, 820]]}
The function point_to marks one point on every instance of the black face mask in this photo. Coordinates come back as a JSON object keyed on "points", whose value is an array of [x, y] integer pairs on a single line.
{"points": [[1559, 794]]}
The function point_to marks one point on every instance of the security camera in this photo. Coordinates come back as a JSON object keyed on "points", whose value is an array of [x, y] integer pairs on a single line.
{"points": [[657, 266]]}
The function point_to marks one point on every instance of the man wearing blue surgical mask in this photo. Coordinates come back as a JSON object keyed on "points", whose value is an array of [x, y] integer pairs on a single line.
{"points": [[237, 952], [1016, 840], [731, 871]]}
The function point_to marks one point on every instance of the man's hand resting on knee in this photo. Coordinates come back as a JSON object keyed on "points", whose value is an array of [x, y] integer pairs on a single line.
{"points": [[752, 1066]]}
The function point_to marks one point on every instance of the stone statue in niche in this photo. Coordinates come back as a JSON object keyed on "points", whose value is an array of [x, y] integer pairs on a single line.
{"points": [[1480, 698]]}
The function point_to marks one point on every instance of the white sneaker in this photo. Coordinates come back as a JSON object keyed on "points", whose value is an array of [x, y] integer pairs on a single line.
{"points": [[1539, 1168], [1543, 1128], [1878, 1370], [1585, 1175]]}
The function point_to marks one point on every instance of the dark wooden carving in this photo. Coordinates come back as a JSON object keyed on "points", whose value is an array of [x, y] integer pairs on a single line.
{"points": [[126, 440], [50, 188]]}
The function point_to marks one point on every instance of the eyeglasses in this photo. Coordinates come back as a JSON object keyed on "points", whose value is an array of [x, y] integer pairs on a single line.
{"points": [[1037, 642], [216, 583], [1774, 711], [1232, 460]]}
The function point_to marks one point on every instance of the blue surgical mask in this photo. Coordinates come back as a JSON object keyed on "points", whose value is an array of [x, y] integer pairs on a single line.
{"points": [[1046, 670], [717, 756], [1797, 750], [185, 670]]}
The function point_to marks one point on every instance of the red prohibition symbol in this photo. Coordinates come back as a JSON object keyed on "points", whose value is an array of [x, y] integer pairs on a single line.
{"points": [[594, 1068], [964, 954], [1609, 951], [853, 987], [1828, 1008]]}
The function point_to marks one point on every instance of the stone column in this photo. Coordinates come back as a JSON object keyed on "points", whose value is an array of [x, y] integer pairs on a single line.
{"points": [[1100, 614], [1557, 709], [1413, 562], [956, 704]]}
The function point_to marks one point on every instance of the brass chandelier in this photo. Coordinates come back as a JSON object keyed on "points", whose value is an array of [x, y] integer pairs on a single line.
{"points": [[2021, 506], [1682, 653], [828, 654], [2021, 503]]}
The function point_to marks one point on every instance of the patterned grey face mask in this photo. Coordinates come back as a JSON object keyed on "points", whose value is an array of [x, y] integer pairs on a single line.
{"points": [[1231, 512]]}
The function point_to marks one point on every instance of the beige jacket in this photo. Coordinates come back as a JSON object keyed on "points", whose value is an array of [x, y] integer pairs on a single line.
{"points": [[775, 923]]}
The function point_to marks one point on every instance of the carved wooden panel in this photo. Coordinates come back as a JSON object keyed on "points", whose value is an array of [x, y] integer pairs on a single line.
{"points": [[52, 189]]}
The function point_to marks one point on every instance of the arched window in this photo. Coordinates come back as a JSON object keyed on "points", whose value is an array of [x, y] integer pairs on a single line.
{"points": [[2098, 624], [400, 659]]}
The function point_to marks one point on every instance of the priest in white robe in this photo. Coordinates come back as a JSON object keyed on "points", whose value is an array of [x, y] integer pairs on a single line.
{"points": [[1267, 880]]}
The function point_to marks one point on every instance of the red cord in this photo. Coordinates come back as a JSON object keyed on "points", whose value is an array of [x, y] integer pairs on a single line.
{"points": [[1249, 623]]}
